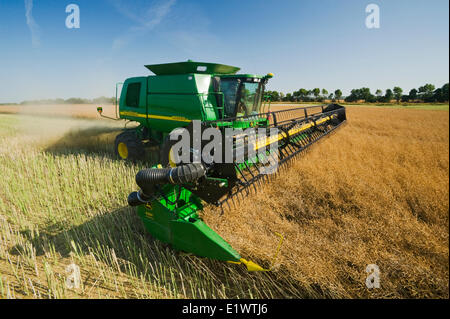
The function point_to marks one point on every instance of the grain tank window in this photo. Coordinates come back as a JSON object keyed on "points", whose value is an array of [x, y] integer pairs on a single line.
{"points": [[133, 94]]}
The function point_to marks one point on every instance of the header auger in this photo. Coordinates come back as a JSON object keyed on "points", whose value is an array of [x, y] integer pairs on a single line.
{"points": [[227, 143]]}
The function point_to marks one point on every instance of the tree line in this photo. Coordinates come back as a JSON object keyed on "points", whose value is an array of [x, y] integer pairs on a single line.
{"points": [[73, 100], [426, 93]]}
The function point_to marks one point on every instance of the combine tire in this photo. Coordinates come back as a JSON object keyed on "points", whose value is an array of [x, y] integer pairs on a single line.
{"points": [[129, 147], [164, 153]]}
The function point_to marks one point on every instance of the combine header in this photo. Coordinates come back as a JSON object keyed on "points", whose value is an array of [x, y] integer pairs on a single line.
{"points": [[225, 142]]}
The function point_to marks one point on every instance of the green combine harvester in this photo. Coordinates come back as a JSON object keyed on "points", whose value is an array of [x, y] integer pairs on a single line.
{"points": [[208, 104]]}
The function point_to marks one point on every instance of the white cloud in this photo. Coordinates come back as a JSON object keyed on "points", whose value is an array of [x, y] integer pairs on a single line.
{"points": [[145, 18], [32, 25]]}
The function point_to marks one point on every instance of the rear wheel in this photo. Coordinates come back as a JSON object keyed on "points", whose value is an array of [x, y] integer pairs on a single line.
{"points": [[171, 156], [166, 156], [128, 146]]}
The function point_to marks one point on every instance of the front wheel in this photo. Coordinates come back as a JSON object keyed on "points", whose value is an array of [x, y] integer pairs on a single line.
{"points": [[128, 146], [166, 156]]}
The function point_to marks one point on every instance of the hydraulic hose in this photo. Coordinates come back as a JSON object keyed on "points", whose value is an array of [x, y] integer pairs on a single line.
{"points": [[147, 179]]}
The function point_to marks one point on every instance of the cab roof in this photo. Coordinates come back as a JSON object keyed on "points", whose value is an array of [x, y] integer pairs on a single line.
{"points": [[192, 67], [243, 76]]}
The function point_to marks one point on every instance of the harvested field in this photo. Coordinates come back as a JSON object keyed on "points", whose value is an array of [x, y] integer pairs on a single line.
{"points": [[375, 192]]}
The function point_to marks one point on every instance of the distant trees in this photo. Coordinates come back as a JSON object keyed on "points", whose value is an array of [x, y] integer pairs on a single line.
{"points": [[274, 95], [426, 93], [76, 100], [412, 96], [73, 100], [429, 94], [104, 100], [338, 94], [361, 94], [444, 93], [354, 96], [388, 96], [303, 94], [289, 97], [316, 92], [398, 91]]}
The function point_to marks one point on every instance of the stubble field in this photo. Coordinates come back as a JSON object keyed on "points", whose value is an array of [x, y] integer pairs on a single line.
{"points": [[375, 192]]}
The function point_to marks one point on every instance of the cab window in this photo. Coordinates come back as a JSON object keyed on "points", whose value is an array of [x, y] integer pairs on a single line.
{"points": [[229, 87], [249, 100], [133, 94]]}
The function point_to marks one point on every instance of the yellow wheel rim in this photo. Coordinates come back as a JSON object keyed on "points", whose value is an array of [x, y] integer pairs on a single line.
{"points": [[171, 159], [123, 150]]}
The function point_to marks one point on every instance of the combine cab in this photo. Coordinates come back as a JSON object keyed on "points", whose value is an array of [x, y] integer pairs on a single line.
{"points": [[224, 142]]}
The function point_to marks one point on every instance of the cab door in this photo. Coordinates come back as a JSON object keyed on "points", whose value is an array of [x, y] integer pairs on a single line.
{"points": [[133, 102]]}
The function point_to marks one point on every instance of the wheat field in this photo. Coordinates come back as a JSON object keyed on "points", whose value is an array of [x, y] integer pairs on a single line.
{"points": [[375, 192]]}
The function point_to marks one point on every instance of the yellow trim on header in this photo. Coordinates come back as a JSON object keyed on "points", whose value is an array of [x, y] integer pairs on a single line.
{"points": [[156, 117], [251, 266], [267, 141]]}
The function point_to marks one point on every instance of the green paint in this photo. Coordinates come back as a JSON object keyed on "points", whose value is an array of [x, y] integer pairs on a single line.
{"points": [[180, 225], [177, 94], [181, 92], [191, 67]]}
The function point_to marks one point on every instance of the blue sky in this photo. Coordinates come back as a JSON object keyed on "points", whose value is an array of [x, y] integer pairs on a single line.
{"points": [[304, 43]]}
